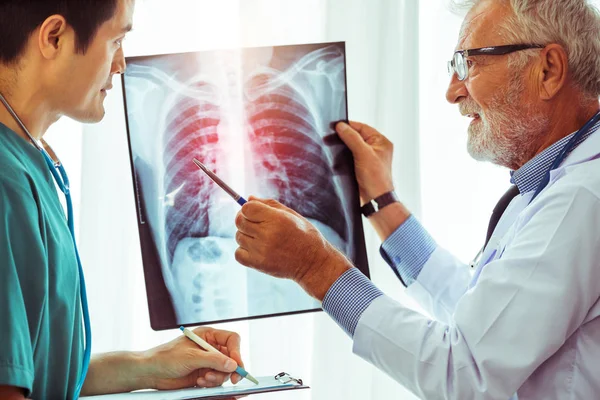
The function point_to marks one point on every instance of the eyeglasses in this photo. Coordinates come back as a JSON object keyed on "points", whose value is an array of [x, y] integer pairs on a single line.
{"points": [[459, 63]]}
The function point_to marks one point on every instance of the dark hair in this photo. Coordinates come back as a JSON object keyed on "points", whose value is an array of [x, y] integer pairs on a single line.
{"points": [[19, 18]]}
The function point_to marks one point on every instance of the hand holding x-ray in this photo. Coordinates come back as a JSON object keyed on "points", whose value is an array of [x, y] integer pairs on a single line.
{"points": [[372, 154], [278, 241]]}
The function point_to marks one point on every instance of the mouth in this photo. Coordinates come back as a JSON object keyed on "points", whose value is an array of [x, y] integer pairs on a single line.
{"points": [[474, 116]]}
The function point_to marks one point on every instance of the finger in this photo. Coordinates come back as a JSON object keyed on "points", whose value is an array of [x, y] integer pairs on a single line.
{"points": [[232, 343], [365, 131], [261, 209], [235, 378], [237, 356], [269, 202], [267, 210], [224, 350], [352, 138], [243, 240], [246, 226], [244, 257], [255, 198], [210, 337], [216, 378], [254, 211], [229, 344], [201, 382], [229, 339], [215, 361], [209, 377]]}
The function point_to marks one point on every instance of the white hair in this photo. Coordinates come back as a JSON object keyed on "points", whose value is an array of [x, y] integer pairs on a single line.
{"points": [[574, 24]]}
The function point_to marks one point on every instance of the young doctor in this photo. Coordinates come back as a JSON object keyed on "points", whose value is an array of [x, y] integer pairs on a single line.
{"points": [[58, 58]]}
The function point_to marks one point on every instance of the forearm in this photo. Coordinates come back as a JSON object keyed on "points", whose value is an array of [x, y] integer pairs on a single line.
{"points": [[388, 219], [116, 372], [321, 276]]}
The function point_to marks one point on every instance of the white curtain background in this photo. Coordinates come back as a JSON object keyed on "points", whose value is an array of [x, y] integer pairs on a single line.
{"points": [[396, 72]]}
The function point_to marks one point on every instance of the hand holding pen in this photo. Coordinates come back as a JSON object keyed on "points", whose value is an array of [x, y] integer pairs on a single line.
{"points": [[180, 363], [206, 346]]}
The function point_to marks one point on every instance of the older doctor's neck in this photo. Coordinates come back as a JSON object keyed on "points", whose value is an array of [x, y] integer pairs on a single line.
{"points": [[567, 114]]}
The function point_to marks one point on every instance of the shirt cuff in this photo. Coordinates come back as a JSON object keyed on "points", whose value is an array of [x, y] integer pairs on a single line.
{"points": [[348, 298], [14, 375], [408, 249]]}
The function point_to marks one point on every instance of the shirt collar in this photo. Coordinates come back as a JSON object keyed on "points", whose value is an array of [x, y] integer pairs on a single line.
{"points": [[528, 177]]}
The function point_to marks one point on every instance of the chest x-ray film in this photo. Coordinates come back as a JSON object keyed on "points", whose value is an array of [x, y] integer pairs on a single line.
{"points": [[262, 120]]}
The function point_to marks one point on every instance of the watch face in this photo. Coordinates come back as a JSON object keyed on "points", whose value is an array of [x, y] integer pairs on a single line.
{"points": [[262, 119]]}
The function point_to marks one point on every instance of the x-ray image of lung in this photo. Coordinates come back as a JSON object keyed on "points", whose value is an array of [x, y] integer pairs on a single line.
{"points": [[262, 120]]}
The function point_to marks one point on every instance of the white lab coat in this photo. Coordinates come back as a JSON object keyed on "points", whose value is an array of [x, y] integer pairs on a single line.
{"points": [[527, 322]]}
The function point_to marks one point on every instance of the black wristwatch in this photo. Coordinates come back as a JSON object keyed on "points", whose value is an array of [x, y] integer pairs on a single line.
{"points": [[378, 203]]}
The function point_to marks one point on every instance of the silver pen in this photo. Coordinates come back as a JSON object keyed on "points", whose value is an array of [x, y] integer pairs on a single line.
{"points": [[239, 199]]}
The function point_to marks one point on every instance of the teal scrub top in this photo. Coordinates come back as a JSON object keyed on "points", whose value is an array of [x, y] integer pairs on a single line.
{"points": [[41, 333]]}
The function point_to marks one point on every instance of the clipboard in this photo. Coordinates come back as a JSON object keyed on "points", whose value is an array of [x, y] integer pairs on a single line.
{"points": [[279, 382]]}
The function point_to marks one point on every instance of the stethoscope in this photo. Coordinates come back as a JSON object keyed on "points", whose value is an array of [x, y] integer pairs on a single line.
{"points": [[564, 153], [60, 176]]}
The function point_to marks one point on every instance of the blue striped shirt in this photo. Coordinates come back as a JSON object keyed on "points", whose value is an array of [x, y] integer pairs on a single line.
{"points": [[410, 246], [528, 177]]}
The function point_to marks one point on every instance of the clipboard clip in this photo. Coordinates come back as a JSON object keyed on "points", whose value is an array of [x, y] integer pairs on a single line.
{"points": [[284, 378]]}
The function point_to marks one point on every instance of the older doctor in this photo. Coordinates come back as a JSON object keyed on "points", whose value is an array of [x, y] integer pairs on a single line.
{"points": [[526, 324]]}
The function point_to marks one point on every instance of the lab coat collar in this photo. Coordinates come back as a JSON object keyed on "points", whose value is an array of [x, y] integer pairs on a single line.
{"points": [[589, 149]]}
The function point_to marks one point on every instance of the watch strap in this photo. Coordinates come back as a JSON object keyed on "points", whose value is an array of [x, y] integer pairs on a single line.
{"points": [[378, 203]]}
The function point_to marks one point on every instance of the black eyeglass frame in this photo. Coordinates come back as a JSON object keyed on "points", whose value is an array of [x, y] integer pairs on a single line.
{"points": [[459, 55]]}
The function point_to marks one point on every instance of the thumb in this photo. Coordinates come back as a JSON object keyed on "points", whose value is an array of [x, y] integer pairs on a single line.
{"points": [[352, 138], [255, 198], [217, 362], [268, 202], [265, 211]]}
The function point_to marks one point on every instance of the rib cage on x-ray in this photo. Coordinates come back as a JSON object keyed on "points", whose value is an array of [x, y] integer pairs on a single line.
{"points": [[289, 153], [258, 120], [191, 129]]}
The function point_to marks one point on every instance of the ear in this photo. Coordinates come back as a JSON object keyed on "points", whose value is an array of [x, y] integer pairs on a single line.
{"points": [[52, 37], [554, 70]]}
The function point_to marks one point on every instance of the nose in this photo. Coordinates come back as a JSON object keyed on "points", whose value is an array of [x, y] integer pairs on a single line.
{"points": [[119, 66], [457, 90]]}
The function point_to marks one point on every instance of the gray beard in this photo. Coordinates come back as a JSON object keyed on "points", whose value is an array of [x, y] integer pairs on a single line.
{"points": [[509, 136]]}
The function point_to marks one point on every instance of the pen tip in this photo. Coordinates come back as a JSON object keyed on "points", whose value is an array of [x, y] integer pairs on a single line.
{"points": [[252, 379]]}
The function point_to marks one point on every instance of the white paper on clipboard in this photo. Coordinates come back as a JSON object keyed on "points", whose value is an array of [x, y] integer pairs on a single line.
{"points": [[265, 384]]}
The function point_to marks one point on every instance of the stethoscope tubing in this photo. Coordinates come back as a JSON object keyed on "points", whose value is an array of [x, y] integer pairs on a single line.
{"points": [[62, 180]]}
